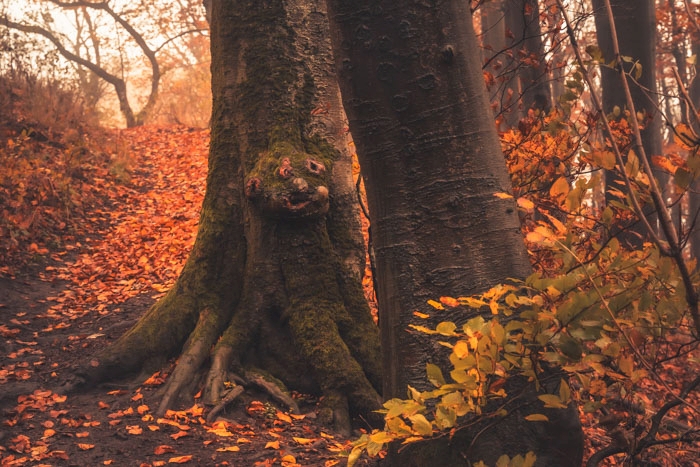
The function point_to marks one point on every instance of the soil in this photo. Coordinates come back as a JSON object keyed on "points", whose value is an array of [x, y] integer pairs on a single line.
{"points": [[57, 313], [112, 425]]}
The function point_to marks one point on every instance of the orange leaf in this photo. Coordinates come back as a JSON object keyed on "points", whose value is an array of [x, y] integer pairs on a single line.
{"points": [[303, 440], [229, 449], [179, 434], [179, 460], [503, 195], [162, 449], [85, 447], [560, 188], [134, 429], [449, 301], [284, 417], [272, 445]]}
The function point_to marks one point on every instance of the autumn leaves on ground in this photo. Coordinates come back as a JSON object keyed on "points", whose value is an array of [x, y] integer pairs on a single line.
{"points": [[93, 230]]}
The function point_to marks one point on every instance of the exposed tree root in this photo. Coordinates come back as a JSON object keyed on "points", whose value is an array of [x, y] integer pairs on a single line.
{"points": [[195, 354], [227, 399]]}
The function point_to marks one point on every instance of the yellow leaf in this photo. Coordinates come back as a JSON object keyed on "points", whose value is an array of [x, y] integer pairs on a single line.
{"points": [[289, 458], [420, 315], [436, 305], [534, 237], [179, 459], [421, 425]]}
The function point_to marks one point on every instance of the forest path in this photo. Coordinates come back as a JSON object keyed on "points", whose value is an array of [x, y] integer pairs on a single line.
{"points": [[54, 316]]}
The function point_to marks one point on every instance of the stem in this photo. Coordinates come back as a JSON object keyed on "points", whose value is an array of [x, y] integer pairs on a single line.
{"points": [[672, 247]]}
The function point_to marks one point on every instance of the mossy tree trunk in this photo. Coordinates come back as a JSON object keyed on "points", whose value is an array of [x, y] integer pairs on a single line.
{"points": [[274, 279], [414, 93]]}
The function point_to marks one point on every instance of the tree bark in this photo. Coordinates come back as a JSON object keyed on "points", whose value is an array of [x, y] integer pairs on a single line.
{"points": [[273, 280], [413, 90], [636, 29], [523, 20]]}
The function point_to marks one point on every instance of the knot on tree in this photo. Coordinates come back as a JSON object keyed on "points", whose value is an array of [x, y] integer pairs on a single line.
{"points": [[287, 183]]}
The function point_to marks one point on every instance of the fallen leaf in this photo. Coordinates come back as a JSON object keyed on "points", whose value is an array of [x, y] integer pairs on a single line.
{"points": [[229, 449], [162, 449]]}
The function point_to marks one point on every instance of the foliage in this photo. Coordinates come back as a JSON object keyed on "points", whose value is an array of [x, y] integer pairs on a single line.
{"points": [[615, 319]]}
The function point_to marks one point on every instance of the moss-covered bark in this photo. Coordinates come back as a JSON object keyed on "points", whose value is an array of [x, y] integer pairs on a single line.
{"points": [[273, 281]]}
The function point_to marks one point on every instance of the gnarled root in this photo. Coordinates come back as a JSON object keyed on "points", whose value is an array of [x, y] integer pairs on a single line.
{"points": [[195, 354]]}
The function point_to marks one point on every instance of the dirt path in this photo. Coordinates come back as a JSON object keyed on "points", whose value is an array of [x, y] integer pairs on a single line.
{"points": [[54, 317]]}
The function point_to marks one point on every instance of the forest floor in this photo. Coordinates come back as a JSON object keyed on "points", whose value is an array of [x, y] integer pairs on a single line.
{"points": [[94, 233], [134, 214]]}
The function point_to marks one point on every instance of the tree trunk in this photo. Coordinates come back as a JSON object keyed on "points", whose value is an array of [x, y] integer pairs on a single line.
{"points": [[635, 22], [523, 20], [413, 89], [273, 280]]}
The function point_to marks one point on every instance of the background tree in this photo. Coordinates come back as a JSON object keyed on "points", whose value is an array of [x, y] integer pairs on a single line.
{"points": [[516, 68], [636, 26], [274, 276], [414, 93], [90, 53]]}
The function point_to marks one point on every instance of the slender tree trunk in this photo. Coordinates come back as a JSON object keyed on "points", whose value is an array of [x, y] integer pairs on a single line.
{"points": [[273, 280], [415, 97], [523, 20], [636, 29]]}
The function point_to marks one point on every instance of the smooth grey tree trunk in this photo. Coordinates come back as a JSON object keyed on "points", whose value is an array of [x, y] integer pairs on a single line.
{"points": [[414, 93]]}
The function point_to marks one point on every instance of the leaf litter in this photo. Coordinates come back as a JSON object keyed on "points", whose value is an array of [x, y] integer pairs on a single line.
{"points": [[77, 283]]}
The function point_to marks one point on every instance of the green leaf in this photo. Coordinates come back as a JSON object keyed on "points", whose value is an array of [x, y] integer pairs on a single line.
{"points": [[435, 375], [570, 347], [637, 70], [446, 328], [374, 448], [564, 392], [551, 401], [595, 52], [632, 165], [604, 159]]}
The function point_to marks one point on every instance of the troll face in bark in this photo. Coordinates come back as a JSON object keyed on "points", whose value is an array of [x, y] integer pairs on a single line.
{"points": [[286, 183]]}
